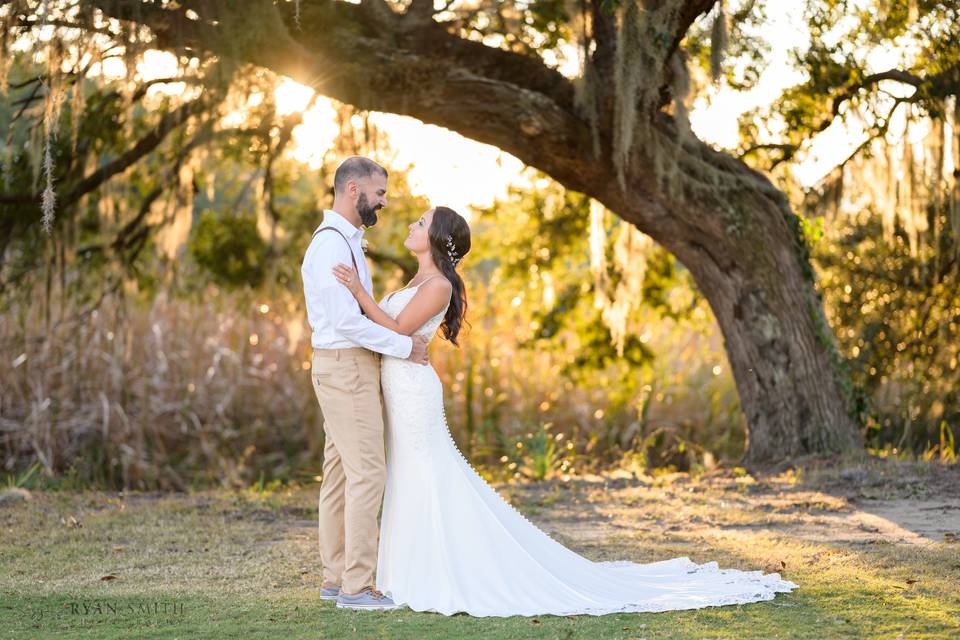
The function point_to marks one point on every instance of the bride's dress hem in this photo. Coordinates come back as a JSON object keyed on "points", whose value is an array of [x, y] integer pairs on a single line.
{"points": [[450, 544], [772, 585]]}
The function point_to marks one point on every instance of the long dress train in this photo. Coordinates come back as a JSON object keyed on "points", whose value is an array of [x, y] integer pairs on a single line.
{"points": [[449, 543]]}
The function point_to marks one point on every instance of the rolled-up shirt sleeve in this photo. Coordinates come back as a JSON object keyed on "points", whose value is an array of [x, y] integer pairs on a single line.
{"points": [[340, 309]]}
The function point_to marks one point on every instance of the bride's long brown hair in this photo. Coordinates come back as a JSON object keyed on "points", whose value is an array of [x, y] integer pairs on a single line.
{"points": [[450, 235]]}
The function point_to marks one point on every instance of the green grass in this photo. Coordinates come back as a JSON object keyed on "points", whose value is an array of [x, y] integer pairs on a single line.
{"points": [[245, 565]]}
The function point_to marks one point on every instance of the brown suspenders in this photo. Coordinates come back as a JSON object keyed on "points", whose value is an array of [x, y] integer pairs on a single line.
{"points": [[349, 248]]}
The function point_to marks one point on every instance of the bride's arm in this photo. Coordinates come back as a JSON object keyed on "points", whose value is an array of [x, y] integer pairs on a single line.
{"points": [[430, 298], [348, 278]]}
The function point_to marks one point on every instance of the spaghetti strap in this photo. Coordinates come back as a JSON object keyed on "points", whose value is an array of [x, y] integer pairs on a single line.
{"points": [[436, 275], [416, 286]]}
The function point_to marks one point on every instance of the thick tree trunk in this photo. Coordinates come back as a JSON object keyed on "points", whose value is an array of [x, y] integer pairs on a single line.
{"points": [[746, 258], [779, 347], [736, 234], [725, 222]]}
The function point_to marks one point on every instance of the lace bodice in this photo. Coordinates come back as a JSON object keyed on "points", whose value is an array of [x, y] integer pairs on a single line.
{"points": [[395, 302]]}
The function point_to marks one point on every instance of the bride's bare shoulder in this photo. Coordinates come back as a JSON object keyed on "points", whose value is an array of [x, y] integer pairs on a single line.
{"points": [[440, 284], [433, 294]]}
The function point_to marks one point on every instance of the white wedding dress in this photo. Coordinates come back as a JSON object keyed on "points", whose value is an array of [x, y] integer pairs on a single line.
{"points": [[449, 543]]}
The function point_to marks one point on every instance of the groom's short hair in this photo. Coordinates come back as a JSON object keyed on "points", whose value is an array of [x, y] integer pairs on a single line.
{"points": [[355, 168]]}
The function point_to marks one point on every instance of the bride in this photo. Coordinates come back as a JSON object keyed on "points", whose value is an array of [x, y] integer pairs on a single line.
{"points": [[448, 542]]}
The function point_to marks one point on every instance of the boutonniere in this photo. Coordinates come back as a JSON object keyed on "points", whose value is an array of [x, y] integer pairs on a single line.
{"points": [[363, 244]]}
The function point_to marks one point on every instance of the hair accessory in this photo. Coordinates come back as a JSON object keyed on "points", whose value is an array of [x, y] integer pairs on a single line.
{"points": [[452, 251]]}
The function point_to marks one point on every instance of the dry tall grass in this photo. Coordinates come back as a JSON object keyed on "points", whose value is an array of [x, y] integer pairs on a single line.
{"points": [[181, 392], [157, 397]]}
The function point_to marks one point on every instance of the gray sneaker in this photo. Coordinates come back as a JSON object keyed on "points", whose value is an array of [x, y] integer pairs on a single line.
{"points": [[329, 593], [367, 600]]}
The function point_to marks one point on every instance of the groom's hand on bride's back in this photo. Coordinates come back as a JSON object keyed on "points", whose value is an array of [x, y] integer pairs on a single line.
{"points": [[419, 352]]}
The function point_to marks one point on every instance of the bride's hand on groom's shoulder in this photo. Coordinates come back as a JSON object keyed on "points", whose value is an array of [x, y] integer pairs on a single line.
{"points": [[347, 276]]}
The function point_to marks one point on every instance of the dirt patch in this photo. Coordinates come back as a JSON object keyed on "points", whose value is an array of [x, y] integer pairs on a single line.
{"points": [[894, 503]]}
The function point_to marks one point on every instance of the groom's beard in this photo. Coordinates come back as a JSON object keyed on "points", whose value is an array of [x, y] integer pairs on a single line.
{"points": [[368, 214]]}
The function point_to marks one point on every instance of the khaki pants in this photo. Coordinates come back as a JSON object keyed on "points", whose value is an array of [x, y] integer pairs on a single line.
{"points": [[347, 384]]}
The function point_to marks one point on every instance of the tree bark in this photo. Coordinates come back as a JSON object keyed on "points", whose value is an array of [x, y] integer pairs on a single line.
{"points": [[746, 257], [724, 221]]}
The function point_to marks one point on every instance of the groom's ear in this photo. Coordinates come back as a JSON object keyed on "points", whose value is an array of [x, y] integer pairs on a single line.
{"points": [[354, 188]]}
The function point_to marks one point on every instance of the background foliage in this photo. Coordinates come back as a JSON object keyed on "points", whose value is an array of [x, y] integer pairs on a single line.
{"points": [[156, 337]]}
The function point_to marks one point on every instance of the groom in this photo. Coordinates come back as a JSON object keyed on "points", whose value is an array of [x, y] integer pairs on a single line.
{"points": [[346, 379]]}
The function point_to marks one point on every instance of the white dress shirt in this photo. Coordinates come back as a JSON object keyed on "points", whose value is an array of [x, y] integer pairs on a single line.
{"points": [[334, 314]]}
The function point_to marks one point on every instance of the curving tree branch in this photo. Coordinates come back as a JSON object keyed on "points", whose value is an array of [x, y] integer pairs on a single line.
{"points": [[147, 144]]}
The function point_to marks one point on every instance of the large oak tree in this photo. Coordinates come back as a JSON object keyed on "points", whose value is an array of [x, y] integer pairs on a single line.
{"points": [[618, 133]]}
